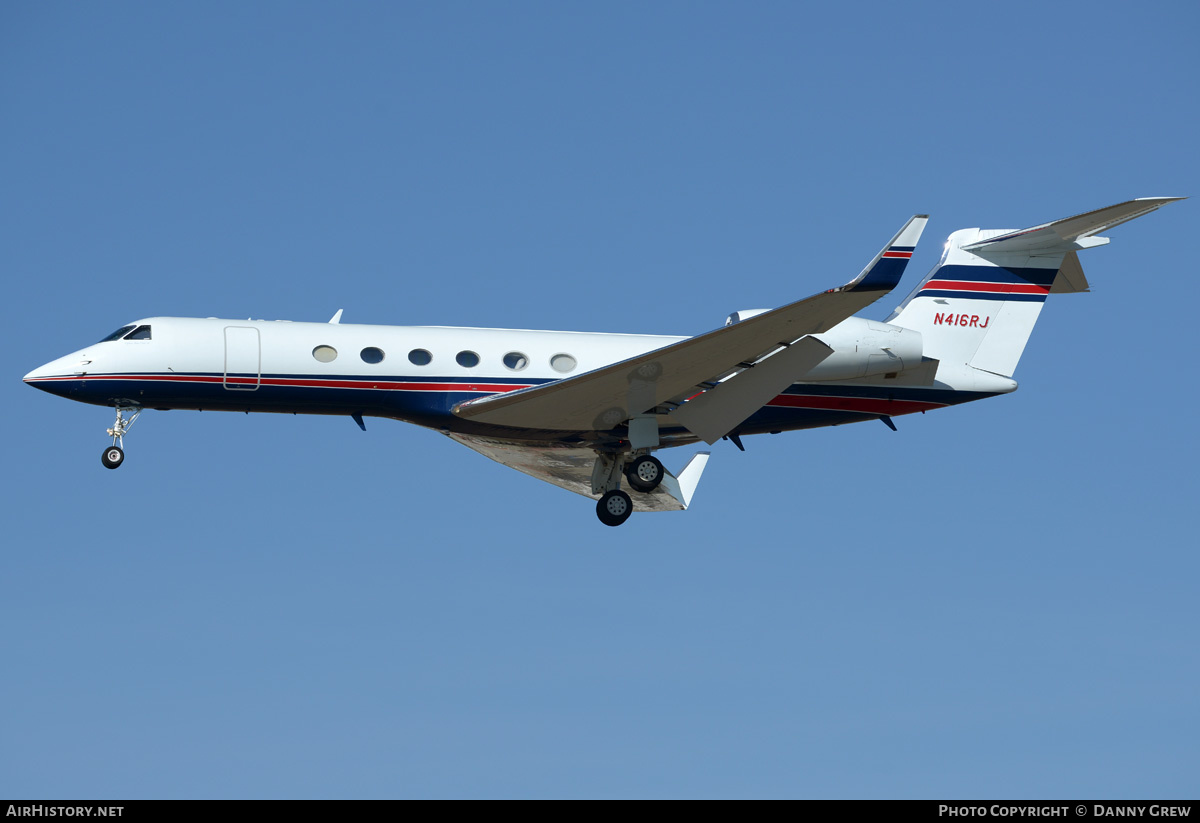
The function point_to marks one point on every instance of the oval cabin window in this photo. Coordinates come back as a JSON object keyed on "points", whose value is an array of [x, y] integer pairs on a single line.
{"points": [[563, 363], [515, 361]]}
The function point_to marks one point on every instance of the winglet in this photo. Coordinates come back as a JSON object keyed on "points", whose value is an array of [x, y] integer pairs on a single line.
{"points": [[884, 271]]}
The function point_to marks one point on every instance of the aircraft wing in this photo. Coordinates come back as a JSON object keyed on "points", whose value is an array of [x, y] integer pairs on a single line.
{"points": [[571, 468], [606, 397]]}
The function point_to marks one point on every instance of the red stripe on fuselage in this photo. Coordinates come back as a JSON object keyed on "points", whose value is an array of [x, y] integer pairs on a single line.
{"points": [[305, 382]]}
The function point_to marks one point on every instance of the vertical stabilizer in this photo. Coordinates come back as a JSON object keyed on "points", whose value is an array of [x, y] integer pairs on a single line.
{"points": [[978, 306], [979, 310]]}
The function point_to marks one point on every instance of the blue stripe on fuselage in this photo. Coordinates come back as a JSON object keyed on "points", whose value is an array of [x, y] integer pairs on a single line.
{"points": [[434, 408]]}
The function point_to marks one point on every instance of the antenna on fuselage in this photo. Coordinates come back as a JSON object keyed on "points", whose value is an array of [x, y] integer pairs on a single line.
{"points": [[337, 318]]}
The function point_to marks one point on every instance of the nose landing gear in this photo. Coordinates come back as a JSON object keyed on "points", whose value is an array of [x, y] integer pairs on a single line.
{"points": [[114, 455]]}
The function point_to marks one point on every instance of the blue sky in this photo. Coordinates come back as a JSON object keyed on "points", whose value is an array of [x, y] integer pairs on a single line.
{"points": [[998, 600]]}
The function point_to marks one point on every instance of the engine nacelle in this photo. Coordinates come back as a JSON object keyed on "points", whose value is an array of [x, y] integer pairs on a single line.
{"points": [[866, 348], [744, 314]]}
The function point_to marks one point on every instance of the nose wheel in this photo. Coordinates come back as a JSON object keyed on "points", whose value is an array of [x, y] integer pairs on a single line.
{"points": [[114, 455]]}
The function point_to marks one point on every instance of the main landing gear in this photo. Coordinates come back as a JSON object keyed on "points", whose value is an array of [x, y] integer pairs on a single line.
{"points": [[643, 473], [114, 455], [614, 507]]}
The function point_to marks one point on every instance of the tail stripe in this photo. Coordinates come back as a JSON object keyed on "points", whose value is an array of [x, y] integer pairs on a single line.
{"points": [[1011, 298], [1026, 285], [997, 274], [1018, 292], [997, 288]]}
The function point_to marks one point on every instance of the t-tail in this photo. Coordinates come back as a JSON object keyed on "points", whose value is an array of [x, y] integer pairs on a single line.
{"points": [[976, 309]]}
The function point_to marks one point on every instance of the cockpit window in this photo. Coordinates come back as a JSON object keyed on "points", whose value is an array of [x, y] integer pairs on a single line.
{"points": [[119, 333], [131, 332]]}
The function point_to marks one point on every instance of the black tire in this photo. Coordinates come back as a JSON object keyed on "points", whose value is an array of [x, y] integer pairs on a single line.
{"points": [[113, 457], [644, 473], [614, 508]]}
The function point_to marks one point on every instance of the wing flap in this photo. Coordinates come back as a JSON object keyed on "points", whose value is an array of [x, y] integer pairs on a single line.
{"points": [[719, 410], [571, 469], [606, 397]]}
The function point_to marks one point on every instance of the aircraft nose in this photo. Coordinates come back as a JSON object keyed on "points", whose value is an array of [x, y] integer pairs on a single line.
{"points": [[42, 378], [40, 373], [58, 376]]}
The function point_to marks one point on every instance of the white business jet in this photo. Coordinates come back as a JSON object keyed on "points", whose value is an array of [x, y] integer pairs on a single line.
{"points": [[588, 411]]}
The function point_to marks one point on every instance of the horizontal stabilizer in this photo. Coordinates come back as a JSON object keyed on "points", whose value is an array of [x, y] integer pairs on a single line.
{"points": [[1071, 233]]}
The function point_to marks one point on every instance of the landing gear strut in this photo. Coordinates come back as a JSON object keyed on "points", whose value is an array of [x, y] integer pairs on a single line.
{"points": [[643, 473], [114, 455]]}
